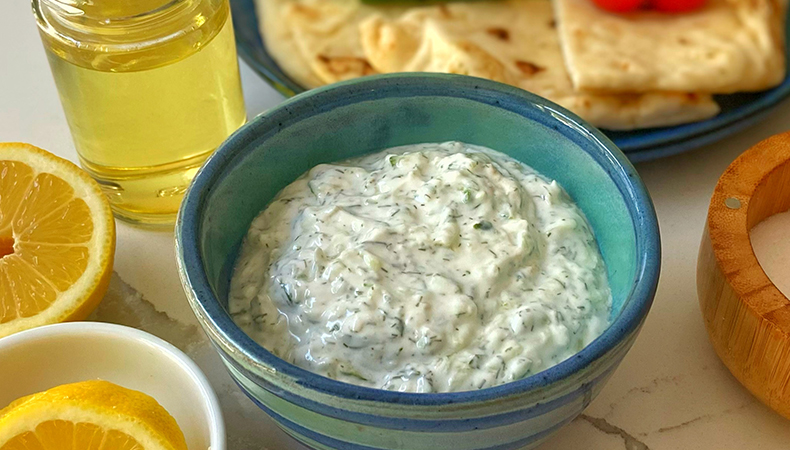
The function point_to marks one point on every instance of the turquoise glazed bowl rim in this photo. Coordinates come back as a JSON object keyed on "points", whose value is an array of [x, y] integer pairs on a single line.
{"points": [[219, 323]]}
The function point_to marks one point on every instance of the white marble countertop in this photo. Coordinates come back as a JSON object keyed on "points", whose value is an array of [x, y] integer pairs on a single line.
{"points": [[671, 391]]}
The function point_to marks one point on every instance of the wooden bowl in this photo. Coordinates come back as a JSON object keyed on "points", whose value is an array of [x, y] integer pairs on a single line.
{"points": [[747, 317]]}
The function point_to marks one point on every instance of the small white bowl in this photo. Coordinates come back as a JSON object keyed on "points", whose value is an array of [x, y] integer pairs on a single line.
{"points": [[45, 357]]}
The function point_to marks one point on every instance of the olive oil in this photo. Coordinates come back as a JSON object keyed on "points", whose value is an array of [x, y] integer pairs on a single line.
{"points": [[149, 88]]}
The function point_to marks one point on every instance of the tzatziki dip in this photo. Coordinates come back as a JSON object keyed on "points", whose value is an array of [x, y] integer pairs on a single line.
{"points": [[425, 268]]}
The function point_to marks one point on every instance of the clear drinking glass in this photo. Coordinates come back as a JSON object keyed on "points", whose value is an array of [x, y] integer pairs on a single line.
{"points": [[149, 87]]}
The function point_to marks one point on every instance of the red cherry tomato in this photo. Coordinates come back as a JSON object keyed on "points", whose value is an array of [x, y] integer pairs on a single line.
{"points": [[677, 6], [619, 6]]}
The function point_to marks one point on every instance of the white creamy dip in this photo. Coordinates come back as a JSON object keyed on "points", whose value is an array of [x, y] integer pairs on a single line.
{"points": [[426, 268]]}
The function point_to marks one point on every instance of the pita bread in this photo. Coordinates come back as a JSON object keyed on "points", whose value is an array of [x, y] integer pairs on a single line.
{"points": [[316, 42], [728, 46], [469, 39], [323, 41]]}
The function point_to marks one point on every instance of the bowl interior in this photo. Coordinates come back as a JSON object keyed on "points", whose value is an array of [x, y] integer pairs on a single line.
{"points": [[37, 360], [332, 124]]}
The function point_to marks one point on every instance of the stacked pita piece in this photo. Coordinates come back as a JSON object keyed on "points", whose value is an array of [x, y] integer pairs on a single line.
{"points": [[618, 71]]}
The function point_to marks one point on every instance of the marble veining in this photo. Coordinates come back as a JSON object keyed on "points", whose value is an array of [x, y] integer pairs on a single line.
{"points": [[630, 442]]}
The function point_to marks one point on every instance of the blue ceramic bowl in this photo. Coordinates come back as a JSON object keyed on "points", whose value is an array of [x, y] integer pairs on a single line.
{"points": [[369, 114]]}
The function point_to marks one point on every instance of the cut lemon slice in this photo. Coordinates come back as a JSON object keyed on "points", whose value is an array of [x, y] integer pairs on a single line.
{"points": [[92, 415], [57, 240]]}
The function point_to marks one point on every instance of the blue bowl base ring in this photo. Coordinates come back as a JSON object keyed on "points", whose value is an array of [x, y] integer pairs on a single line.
{"points": [[317, 441], [737, 110], [313, 431], [370, 114]]}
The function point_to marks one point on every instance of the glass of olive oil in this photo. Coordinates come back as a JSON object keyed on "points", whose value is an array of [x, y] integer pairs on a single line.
{"points": [[149, 87]]}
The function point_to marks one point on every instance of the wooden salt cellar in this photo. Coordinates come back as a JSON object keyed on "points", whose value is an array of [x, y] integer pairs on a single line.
{"points": [[747, 317]]}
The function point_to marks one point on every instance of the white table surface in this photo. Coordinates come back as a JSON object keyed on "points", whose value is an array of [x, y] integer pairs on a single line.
{"points": [[671, 391]]}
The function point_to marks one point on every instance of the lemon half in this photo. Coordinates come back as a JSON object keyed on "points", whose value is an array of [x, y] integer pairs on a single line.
{"points": [[91, 415], [57, 240]]}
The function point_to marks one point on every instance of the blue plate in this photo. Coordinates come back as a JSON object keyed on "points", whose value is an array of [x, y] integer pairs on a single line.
{"points": [[738, 111]]}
